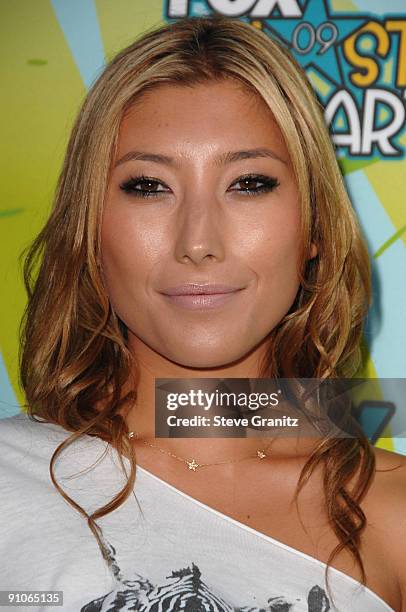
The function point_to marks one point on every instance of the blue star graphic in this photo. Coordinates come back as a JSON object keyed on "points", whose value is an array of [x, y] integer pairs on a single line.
{"points": [[309, 37]]}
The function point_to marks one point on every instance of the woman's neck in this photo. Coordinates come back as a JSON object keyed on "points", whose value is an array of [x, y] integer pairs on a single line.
{"points": [[150, 365]]}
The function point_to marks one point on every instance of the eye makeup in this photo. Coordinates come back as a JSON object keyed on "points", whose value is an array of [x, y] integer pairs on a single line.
{"points": [[149, 187]]}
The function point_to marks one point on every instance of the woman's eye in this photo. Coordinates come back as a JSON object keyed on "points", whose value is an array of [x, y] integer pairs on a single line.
{"points": [[148, 187], [254, 184], [144, 187]]}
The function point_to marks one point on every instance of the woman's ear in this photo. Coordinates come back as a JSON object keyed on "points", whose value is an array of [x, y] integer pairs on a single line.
{"points": [[313, 250]]}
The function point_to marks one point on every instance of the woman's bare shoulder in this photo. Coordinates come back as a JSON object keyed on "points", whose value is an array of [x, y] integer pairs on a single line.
{"points": [[388, 458], [388, 490], [390, 462]]}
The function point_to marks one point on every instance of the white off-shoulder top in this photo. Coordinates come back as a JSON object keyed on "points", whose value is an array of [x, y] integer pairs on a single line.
{"points": [[168, 551]]}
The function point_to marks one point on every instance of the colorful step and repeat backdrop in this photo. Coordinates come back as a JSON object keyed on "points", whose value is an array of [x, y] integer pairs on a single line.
{"points": [[354, 53]]}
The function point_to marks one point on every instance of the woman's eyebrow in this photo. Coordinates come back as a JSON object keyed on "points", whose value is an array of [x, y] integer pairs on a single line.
{"points": [[224, 158]]}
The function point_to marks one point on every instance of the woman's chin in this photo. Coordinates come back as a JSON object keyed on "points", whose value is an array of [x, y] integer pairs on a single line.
{"points": [[206, 359]]}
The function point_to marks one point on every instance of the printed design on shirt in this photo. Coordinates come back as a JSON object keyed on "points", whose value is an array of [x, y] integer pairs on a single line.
{"points": [[185, 590]]}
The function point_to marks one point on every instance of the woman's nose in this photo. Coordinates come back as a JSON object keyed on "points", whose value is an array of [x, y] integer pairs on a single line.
{"points": [[200, 230]]}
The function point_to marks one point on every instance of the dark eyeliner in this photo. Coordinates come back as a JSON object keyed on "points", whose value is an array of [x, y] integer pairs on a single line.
{"points": [[269, 183], [129, 186]]}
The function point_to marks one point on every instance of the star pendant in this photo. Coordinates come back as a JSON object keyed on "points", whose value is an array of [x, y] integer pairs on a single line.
{"points": [[192, 465], [261, 454]]}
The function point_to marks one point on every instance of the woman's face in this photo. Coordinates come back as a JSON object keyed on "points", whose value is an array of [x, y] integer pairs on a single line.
{"points": [[202, 194]]}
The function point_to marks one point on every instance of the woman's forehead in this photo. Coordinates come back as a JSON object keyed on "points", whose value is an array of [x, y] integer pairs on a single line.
{"points": [[214, 113]]}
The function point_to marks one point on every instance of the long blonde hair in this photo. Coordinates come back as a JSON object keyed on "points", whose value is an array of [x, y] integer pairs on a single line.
{"points": [[75, 360]]}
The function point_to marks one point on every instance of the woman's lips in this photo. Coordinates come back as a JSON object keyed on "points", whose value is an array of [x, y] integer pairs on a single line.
{"points": [[201, 297], [194, 302]]}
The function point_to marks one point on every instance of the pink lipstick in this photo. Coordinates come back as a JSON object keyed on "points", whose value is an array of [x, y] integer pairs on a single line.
{"points": [[197, 296]]}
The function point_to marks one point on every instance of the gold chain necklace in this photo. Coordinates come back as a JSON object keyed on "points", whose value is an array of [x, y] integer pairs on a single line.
{"points": [[193, 465]]}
